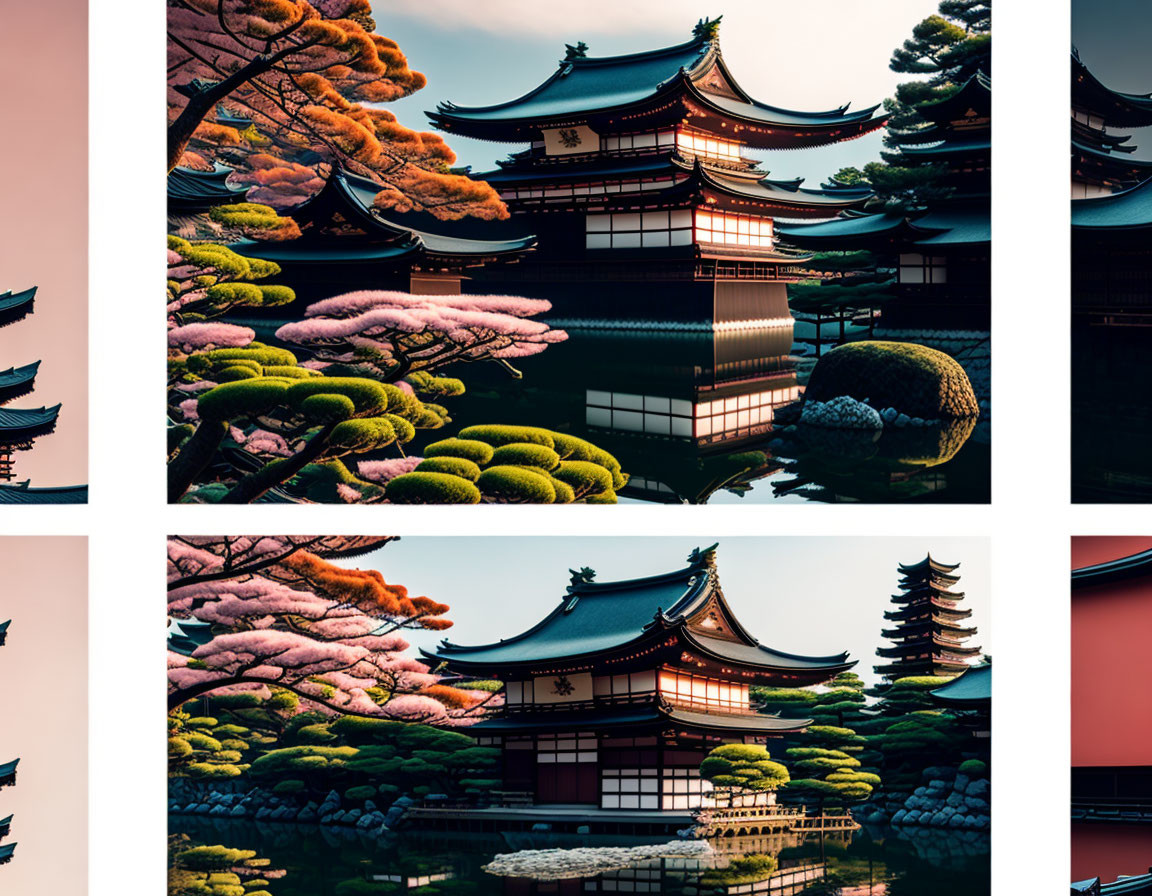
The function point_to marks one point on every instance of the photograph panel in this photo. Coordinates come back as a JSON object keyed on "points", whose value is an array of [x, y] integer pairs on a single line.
{"points": [[486, 262], [564, 715]]}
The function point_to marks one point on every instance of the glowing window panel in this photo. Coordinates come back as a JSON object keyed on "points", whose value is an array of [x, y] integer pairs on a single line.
{"points": [[695, 144], [729, 228]]}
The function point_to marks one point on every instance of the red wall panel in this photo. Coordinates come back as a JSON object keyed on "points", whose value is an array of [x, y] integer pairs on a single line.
{"points": [[1111, 672]]}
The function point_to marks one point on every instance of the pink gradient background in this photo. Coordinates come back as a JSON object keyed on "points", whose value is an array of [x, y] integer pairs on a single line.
{"points": [[44, 221], [44, 713]]}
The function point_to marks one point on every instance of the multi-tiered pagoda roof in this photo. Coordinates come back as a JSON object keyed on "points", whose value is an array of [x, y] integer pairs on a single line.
{"points": [[678, 619], [615, 697], [638, 169], [687, 83], [1101, 158], [928, 634]]}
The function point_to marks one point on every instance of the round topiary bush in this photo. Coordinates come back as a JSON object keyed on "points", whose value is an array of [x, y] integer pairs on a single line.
{"points": [[916, 380], [973, 768], [473, 450], [526, 454], [515, 485], [503, 434], [454, 466], [431, 488]]}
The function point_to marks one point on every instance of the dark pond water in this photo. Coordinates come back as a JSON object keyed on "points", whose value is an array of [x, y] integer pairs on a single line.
{"points": [[1111, 414], [324, 862], [691, 415]]}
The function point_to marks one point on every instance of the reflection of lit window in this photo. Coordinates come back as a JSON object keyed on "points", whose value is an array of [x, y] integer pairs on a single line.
{"points": [[695, 144], [731, 229], [627, 412], [916, 268], [635, 230]]}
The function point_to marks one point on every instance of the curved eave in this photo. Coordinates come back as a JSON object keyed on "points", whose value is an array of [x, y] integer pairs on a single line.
{"points": [[23, 493], [847, 232], [652, 715], [190, 190], [1131, 110], [1121, 569], [15, 306], [1128, 209], [16, 382], [976, 91], [20, 424], [767, 126], [795, 200], [948, 149]]}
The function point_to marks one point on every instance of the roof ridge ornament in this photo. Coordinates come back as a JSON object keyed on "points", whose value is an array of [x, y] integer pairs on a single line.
{"points": [[707, 29], [580, 51], [583, 576], [705, 557]]}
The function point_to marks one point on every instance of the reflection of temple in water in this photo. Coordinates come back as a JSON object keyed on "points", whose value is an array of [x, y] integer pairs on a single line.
{"points": [[685, 410]]}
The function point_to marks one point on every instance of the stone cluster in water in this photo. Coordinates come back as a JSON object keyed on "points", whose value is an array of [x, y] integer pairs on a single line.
{"points": [[845, 412], [561, 864], [947, 799], [188, 798]]}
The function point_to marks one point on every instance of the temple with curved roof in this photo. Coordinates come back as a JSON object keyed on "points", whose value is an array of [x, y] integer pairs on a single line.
{"points": [[929, 633], [615, 697], [1102, 160], [941, 252], [637, 170]]}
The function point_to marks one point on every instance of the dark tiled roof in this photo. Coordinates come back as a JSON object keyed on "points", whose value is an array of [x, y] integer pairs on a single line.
{"points": [[24, 493]]}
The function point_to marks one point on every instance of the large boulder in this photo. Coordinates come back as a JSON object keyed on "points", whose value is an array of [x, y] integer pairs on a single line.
{"points": [[914, 379]]}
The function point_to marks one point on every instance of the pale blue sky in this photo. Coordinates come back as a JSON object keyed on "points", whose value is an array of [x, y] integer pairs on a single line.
{"points": [[814, 56], [801, 595]]}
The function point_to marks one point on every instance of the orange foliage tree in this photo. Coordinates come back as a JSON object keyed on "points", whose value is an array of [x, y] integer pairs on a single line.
{"points": [[301, 73]]}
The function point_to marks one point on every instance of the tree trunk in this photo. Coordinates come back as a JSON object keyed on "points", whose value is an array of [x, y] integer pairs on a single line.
{"points": [[194, 456], [270, 475], [201, 103]]}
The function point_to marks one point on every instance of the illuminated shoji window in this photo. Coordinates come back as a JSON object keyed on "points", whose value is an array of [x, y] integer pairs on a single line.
{"points": [[916, 268], [552, 749], [634, 230], [629, 788], [693, 689], [731, 229], [696, 144], [683, 788]]}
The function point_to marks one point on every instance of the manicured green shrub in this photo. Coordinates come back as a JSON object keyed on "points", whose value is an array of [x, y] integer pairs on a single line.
{"points": [[914, 379], [431, 488], [515, 485], [289, 785], [526, 454], [475, 451], [362, 792], [500, 434], [973, 768], [453, 466], [584, 477]]}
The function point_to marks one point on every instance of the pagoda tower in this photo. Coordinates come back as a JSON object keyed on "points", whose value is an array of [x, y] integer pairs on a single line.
{"points": [[941, 252], [19, 427], [615, 697], [928, 631], [636, 175]]}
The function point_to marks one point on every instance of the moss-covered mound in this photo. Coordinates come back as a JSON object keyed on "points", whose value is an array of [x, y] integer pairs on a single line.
{"points": [[914, 379]]}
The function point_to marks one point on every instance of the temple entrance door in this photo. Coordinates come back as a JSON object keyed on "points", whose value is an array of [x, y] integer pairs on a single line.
{"points": [[567, 782]]}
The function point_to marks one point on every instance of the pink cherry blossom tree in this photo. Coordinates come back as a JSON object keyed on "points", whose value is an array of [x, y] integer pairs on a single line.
{"points": [[283, 615], [390, 335]]}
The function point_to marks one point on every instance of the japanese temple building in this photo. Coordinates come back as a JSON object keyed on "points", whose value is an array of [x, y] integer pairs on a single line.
{"points": [[346, 244], [637, 172], [942, 252], [928, 628], [616, 696], [969, 697], [1112, 204]]}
